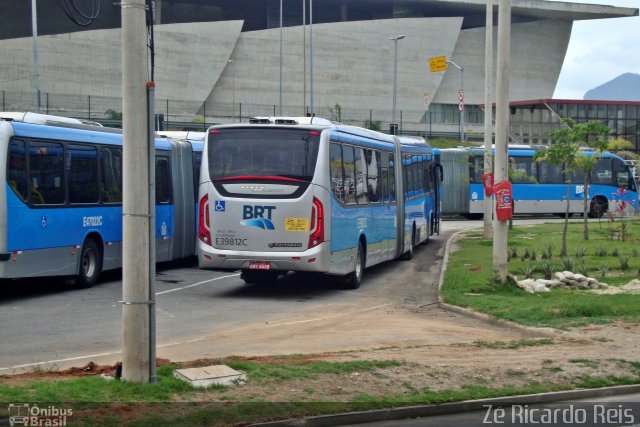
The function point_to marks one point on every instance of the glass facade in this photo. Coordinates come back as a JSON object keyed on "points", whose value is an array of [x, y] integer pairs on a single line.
{"points": [[530, 122]]}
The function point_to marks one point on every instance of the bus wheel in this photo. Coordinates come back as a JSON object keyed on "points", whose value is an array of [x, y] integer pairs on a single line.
{"points": [[409, 254], [598, 207], [90, 264], [355, 279], [252, 277]]}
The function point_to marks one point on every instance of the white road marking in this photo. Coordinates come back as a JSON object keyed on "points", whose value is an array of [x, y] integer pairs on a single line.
{"points": [[70, 359], [197, 284]]}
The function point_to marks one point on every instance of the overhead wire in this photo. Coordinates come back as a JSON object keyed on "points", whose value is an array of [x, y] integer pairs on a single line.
{"points": [[76, 15]]}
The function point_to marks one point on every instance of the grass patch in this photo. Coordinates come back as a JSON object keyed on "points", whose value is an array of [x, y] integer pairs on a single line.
{"points": [[560, 308], [97, 402], [514, 345]]}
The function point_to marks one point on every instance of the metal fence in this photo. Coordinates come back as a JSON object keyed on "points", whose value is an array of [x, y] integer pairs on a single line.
{"points": [[185, 115]]}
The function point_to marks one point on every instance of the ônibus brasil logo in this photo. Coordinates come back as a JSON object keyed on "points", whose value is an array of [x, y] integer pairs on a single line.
{"points": [[25, 414], [257, 216]]}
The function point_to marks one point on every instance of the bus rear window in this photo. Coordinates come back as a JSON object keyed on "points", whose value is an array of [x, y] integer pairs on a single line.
{"points": [[287, 153]]}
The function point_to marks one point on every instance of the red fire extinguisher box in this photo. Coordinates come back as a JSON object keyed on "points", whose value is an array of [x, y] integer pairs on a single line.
{"points": [[487, 183], [504, 200]]}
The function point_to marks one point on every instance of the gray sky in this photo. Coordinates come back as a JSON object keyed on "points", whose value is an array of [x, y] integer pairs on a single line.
{"points": [[599, 51]]}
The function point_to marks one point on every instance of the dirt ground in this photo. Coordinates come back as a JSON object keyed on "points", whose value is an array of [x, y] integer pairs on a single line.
{"points": [[439, 350]]}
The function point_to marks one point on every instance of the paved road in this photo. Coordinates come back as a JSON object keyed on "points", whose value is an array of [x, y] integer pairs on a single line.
{"points": [[619, 410], [45, 323]]}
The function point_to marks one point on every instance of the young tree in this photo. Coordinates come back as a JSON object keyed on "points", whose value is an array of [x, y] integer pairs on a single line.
{"points": [[566, 151]]}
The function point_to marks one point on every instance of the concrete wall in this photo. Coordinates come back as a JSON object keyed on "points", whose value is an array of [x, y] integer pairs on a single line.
{"points": [[537, 53], [353, 66]]}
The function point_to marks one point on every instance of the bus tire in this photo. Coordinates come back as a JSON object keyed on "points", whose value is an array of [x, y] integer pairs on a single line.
{"points": [[598, 207], [409, 253], [90, 264], [355, 278]]}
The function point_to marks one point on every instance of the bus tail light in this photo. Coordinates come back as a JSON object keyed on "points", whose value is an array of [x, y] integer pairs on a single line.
{"points": [[204, 226], [317, 224]]}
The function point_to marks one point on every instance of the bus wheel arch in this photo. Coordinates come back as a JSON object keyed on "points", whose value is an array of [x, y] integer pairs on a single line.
{"points": [[354, 279], [599, 205], [89, 261], [406, 256]]}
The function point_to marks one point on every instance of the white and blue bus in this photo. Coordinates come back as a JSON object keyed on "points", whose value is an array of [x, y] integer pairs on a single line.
{"points": [[306, 194], [539, 187], [61, 197]]}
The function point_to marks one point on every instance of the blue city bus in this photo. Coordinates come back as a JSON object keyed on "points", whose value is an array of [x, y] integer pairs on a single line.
{"points": [[61, 197], [539, 187], [307, 194]]}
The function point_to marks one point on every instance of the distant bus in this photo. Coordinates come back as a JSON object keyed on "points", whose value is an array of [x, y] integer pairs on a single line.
{"points": [[306, 194], [538, 187], [61, 197]]}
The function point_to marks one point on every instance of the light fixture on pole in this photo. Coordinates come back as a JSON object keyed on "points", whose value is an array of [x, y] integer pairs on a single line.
{"points": [[460, 98], [233, 90], [394, 126]]}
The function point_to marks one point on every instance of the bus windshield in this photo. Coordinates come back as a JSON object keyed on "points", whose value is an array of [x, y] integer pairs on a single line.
{"points": [[283, 153]]}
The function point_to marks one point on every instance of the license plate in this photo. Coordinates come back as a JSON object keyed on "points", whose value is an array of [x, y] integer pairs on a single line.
{"points": [[260, 265]]}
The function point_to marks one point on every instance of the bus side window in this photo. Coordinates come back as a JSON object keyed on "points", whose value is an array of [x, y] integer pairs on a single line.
{"points": [[17, 176], [349, 175], [362, 196], [82, 161], [392, 178], [622, 175], [336, 173], [46, 164], [163, 181], [373, 183], [549, 173], [111, 177]]}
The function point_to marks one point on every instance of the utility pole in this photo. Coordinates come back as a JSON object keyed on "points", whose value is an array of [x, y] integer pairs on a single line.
{"points": [[460, 98], [488, 114], [36, 54], [280, 87], [500, 232], [136, 214], [311, 56], [304, 57]]}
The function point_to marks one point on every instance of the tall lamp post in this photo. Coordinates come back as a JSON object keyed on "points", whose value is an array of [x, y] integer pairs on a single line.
{"points": [[460, 98], [394, 126], [280, 97], [233, 90]]}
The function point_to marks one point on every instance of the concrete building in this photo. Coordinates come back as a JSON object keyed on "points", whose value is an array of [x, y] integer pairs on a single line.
{"points": [[220, 59]]}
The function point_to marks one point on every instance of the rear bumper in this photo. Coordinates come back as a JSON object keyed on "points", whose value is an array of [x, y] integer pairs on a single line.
{"points": [[316, 259]]}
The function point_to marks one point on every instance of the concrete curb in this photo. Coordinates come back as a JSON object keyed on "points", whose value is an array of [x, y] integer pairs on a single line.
{"points": [[446, 408], [525, 330]]}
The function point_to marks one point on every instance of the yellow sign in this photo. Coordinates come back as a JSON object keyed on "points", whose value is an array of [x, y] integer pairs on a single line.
{"points": [[438, 63], [296, 224]]}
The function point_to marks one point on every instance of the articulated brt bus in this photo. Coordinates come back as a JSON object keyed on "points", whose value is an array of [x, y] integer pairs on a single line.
{"points": [[61, 197], [306, 194], [538, 187]]}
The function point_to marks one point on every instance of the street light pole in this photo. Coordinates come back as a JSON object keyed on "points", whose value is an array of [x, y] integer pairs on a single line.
{"points": [[394, 126], [280, 100], [233, 90], [460, 98], [36, 55], [311, 55]]}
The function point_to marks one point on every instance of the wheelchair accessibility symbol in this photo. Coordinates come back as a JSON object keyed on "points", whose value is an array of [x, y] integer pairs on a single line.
{"points": [[220, 206]]}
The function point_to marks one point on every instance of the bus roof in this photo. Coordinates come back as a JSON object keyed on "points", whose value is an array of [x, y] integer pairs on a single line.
{"points": [[86, 134]]}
